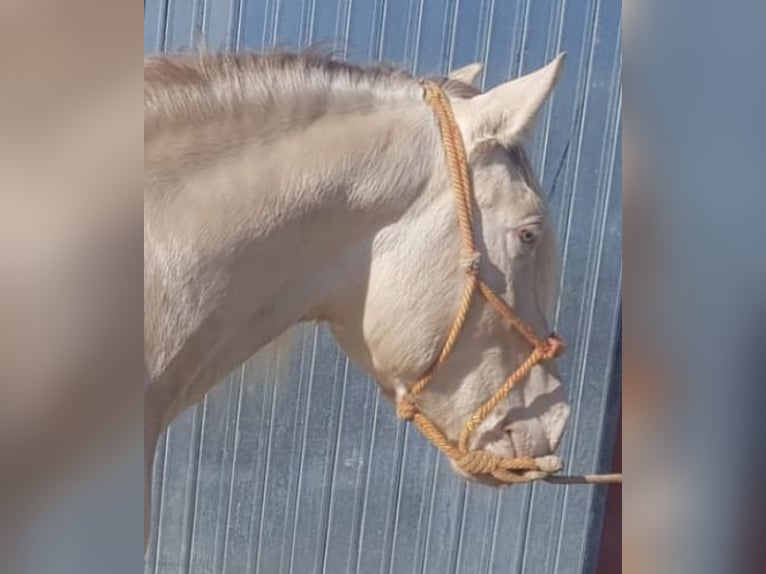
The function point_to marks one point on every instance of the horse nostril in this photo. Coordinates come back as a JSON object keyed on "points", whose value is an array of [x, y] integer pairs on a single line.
{"points": [[528, 438], [554, 422], [520, 440]]}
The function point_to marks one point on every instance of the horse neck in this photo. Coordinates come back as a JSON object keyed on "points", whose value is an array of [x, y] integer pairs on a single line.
{"points": [[246, 236]]}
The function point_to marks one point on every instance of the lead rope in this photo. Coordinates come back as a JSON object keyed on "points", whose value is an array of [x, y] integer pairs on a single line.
{"points": [[479, 462]]}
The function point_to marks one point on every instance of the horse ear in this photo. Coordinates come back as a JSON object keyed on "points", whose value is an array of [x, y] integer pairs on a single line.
{"points": [[506, 113], [467, 74]]}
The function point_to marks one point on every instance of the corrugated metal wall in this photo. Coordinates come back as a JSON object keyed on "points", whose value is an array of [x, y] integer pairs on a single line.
{"points": [[308, 470]]}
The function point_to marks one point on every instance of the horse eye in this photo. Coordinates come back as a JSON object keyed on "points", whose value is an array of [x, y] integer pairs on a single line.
{"points": [[527, 235]]}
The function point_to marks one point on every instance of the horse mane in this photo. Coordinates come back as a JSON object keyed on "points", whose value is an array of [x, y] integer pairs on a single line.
{"points": [[194, 85]]}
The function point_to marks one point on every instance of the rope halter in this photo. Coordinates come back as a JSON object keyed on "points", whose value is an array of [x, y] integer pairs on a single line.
{"points": [[475, 462]]}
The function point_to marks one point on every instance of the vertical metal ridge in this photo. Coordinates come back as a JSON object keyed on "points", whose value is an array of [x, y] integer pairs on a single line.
{"points": [[157, 496], [382, 37], [515, 55], [373, 42], [524, 17], [234, 35], [293, 487], [338, 40], [528, 503], [193, 473], [554, 39], [161, 499], [235, 449], [169, 5], [347, 34], [389, 538], [370, 455], [445, 49], [224, 496], [418, 28], [271, 14], [334, 471], [482, 557], [455, 558], [487, 43], [327, 466], [362, 475], [557, 20], [495, 524], [312, 368], [194, 23], [410, 36], [423, 559], [202, 18], [311, 21], [155, 32], [483, 30], [452, 35], [256, 472], [270, 423]]}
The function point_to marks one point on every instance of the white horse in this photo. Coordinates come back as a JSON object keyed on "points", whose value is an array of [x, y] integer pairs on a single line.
{"points": [[286, 188]]}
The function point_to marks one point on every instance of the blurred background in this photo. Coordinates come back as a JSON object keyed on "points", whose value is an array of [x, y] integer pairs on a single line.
{"points": [[305, 468], [694, 204], [71, 297]]}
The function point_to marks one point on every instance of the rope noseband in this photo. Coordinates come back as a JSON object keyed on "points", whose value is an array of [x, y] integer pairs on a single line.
{"points": [[479, 462]]}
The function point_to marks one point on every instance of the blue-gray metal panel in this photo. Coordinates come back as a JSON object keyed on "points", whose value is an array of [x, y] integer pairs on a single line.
{"points": [[304, 468]]}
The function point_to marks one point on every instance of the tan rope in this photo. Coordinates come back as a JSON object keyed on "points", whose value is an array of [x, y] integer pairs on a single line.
{"points": [[478, 462]]}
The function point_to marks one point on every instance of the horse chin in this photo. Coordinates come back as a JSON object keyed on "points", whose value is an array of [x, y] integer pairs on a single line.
{"points": [[504, 444], [493, 442], [484, 479]]}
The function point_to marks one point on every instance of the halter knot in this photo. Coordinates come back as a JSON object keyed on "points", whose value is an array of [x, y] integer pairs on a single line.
{"points": [[552, 347], [405, 409], [470, 262]]}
